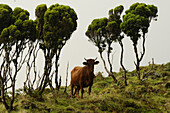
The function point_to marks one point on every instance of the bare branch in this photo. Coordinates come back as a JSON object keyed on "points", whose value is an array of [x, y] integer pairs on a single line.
{"points": [[143, 45], [8, 87], [146, 74], [135, 63], [67, 77]]}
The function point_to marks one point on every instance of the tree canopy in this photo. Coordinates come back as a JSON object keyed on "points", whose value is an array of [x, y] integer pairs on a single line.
{"points": [[55, 26], [16, 31], [20, 29], [5, 16], [97, 32], [137, 20], [59, 23], [103, 31], [135, 24]]}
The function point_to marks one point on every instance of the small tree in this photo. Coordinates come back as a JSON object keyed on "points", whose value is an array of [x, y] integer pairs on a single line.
{"points": [[55, 26], [33, 47], [135, 24], [14, 40], [114, 31], [63, 22], [5, 12], [98, 34]]}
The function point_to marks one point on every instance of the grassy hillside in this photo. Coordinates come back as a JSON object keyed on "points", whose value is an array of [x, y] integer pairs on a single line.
{"points": [[151, 95]]}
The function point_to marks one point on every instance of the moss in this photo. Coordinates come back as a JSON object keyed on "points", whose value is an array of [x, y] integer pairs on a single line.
{"points": [[130, 110], [105, 91], [130, 103], [70, 108], [2, 110], [101, 84], [97, 90], [167, 94]]}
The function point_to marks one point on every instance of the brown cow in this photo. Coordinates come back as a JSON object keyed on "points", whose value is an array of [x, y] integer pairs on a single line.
{"points": [[83, 77]]}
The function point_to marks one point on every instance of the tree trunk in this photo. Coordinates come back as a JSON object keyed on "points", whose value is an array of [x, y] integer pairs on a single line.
{"points": [[110, 73], [56, 69], [14, 78], [138, 60], [108, 57], [0, 91], [3, 79], [3, 95], [66, 78], [121, 62], [56, 73], [143, 45], [13, 95], [137, 64], [45, 79]]}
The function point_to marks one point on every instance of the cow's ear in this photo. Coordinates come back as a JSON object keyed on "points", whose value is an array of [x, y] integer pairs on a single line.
{"points": [[85, 63], [96, 62]]}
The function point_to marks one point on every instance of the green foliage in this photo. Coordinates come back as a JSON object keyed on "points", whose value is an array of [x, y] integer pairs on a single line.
{"points": [[5, 16], [22, 30], [19, 27], [59, 24], [40, 10], [16, 31], [102, 32], [97, 33], [137, 19], [55, 25], [29, 30], [97, 28], [118, 10], [21, 14], [113, 26]]}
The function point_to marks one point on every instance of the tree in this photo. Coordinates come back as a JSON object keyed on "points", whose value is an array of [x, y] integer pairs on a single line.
{"points": [[5, 12], [135, 24], [114, 31], [33, 47], [55, 25], [14, 37], [98, 34]]}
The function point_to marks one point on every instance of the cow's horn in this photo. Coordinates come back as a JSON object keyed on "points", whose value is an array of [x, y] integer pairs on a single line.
{"points": [[85, 59], [95, 58]]}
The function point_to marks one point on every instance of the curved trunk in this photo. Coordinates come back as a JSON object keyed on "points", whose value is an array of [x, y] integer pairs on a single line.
{"points": [[110, 74], [143, 45], [3, 95], [14, 78], [47, 70], [121, 62], [58, 84], [137, 64], [138, 60], [108, 57]]}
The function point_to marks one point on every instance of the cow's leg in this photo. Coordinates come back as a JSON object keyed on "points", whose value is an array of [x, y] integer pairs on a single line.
{"points": [[72, 86], [77, 91], [89, 90], [82, 91]]}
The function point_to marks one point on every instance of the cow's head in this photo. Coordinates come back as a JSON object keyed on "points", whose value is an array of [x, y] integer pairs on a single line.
{"points": [[90, 63]]}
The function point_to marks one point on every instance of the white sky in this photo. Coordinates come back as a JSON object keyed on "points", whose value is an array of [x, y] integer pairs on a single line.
{"points": [[78, 47]]}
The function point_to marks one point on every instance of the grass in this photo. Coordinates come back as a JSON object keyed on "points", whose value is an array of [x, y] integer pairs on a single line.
{"points": [[151, 95]]}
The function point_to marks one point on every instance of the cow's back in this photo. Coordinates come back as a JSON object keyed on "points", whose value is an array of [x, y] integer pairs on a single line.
{"points": [[81, 76], [75, 75]]}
